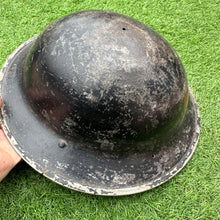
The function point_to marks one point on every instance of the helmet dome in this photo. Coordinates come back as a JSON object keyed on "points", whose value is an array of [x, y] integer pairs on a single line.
{"points": [[107, 78]]}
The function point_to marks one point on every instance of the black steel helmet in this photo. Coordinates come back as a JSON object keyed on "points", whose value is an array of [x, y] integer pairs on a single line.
{"points": [[99, 103]]}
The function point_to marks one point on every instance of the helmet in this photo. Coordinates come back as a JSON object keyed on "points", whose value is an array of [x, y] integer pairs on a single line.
{"points": [[100, 103]]}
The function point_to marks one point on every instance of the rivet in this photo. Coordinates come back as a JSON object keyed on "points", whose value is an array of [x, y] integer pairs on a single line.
{"points": [[62, 143]]}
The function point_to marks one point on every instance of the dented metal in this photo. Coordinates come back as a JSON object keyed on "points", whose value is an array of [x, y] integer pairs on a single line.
{"points": [[100, 103]]}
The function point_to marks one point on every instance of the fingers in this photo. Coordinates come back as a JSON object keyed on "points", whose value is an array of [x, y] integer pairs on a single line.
{"points": [[0, 107]]}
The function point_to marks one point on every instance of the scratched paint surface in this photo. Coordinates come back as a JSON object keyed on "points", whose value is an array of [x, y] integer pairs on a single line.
{"points": [[100, 103]]}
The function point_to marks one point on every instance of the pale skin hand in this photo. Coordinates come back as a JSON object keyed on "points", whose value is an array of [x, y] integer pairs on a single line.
{"points": [[8, 156]]}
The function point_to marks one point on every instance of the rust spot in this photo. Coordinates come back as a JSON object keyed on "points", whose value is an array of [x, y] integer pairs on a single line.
{"points": [[186, 97], [44, 171]]}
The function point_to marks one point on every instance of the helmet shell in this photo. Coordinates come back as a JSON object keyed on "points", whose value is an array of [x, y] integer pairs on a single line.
{"points": [[100, 103]]}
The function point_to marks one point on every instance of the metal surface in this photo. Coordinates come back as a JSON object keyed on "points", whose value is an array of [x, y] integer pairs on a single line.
{"points": [[100, 103]]}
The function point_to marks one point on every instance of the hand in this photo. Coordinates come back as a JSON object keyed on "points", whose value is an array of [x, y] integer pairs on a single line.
{"points": [[8, 156]]}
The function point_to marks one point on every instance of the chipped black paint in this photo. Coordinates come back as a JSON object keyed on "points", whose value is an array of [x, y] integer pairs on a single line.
{"points": [[115, 85], [111, 88]]}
